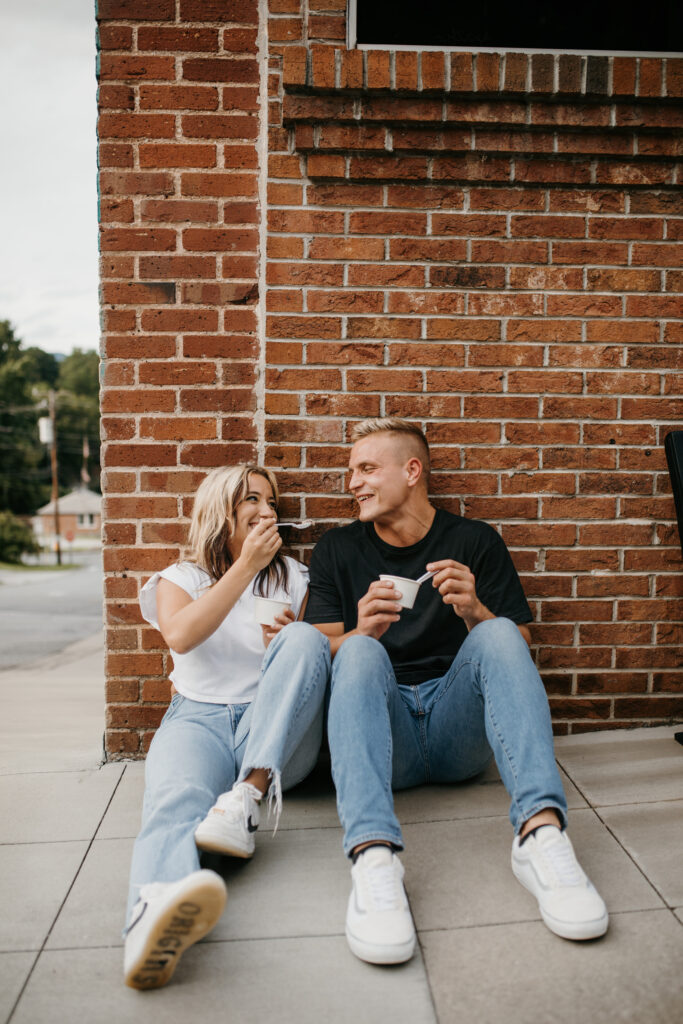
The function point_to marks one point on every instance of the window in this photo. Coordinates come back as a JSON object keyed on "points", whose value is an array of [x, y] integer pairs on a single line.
{"points": [[585, 26], [86, 519]]}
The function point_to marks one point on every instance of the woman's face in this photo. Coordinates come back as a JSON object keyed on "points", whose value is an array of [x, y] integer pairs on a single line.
{"points": [[258, 504]]}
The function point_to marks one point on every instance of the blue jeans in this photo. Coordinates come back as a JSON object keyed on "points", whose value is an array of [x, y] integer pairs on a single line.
{"points": [[201, 750], [386, 736]]}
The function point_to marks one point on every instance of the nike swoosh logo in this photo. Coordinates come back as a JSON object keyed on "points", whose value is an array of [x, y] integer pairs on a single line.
{"points": [[250, 826]]}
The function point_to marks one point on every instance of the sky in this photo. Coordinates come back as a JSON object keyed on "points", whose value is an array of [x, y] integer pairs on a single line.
{"points": [[48, 173]]}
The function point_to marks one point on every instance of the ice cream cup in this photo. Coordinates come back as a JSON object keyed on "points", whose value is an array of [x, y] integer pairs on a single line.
{"points": [[407, 588], [265, 610]]}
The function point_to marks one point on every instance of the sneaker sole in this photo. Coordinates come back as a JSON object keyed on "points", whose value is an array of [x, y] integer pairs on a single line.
{"points": [[373, 954], [192, 916], [578, 931], [214, 841]]}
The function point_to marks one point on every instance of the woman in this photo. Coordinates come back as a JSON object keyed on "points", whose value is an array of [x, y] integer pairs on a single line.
{"points": [[239, 724]]}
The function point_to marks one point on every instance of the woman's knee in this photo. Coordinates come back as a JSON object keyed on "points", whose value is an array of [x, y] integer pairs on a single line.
{"points": [[306, 638]]}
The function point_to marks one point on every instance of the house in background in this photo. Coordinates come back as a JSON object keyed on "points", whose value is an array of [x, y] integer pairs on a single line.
{"points": [[80, 520]]}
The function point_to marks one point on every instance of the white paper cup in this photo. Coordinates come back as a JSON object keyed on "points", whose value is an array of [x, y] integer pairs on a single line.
{"points": [[407, 588], [265, 610]]}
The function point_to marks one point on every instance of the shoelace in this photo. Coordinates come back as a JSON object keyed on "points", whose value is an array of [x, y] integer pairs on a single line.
{"points": [[233, 804], [562, 862], [382, 888], [152, 890]]}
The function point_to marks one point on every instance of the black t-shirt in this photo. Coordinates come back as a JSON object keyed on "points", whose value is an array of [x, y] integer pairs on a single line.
{"points": [[423, 643]]}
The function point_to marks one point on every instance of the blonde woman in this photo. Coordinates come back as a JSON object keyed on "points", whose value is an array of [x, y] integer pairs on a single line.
{"points": [[240, 725]]}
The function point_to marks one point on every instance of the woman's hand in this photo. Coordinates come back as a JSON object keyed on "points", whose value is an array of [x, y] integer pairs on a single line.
{"points": [[281, 620], [260, 546]]}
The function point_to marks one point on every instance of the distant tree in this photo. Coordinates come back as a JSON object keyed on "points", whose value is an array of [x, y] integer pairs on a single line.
{"points": [[78, 417], [80, 373], [26, 376], [24, 472], [16, 539], [10, 345], [41, 367]]}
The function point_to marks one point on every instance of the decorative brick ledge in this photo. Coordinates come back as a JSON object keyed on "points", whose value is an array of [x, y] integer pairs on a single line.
{"points": [[429, 71]]}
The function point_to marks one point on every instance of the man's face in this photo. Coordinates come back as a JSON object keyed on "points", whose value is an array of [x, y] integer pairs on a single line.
{"points": [[379, 476]]}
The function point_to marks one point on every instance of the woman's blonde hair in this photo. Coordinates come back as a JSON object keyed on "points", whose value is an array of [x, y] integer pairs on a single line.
{"points": [[213, 523]]}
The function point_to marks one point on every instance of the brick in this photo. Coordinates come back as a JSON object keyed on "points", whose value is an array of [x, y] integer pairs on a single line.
{"points": [[181, 40], [137, 239], [615, 172], [432, 69], [405, 70], [461, 72], [378, 69], [515, 76], [650, 77], [542, 72], [431, 302], [569, 73], [114, 37], [178, 97], [327, 27], [597, 75], [220, 69], [179, 320], [112, 154], [488, 72], [132, 68], [240, 40], [115, 97], [323, 67], [135, 183]]}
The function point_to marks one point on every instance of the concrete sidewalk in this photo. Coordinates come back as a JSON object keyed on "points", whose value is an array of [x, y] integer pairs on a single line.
{"points": [[67, 826]]}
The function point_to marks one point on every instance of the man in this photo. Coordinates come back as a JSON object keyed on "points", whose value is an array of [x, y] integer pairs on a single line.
{"points": [[427, 694]]}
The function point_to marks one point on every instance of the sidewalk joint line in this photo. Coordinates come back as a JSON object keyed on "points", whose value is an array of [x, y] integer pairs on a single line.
{"points": [[61, 905]]}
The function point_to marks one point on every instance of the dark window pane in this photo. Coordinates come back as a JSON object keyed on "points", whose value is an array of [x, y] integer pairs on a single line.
{"points": [[581, 25]]}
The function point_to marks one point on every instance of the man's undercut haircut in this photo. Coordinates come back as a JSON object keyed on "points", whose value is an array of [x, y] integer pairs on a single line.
{"points": [[394, 425]]}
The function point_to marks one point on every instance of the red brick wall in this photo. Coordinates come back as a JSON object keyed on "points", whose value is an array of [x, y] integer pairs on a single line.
{"points": [[178, 127], [485, 243]]}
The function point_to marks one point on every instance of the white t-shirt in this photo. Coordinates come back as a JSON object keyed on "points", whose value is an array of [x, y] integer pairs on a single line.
{"points": [[225, 668]]}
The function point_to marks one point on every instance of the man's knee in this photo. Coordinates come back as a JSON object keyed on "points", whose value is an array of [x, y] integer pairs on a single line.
{"points": [[360, 662], [498, 633]]}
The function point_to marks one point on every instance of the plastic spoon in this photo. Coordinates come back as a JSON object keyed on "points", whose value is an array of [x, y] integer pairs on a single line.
{"points": [[426, 576], [303, 525]]}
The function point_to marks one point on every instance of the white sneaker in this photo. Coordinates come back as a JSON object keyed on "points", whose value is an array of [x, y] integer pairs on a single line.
{"points": [[230, 825], [379, 927], [168, 918], [546, 865]]}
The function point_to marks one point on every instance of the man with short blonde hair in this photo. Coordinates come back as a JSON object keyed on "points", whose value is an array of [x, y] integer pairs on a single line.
{"points": [[428, 693]]}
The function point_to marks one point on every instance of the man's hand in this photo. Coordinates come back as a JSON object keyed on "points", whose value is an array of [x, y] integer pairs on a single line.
{"points": [[281, 620], [456, 584], [378, 609]]}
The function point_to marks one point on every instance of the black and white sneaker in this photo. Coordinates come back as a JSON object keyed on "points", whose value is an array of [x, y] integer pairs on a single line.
{"points": [[168, 918], [231, 824]]}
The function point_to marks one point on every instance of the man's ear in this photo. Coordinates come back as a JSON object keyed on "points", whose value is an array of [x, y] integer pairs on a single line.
{"points": [[414, 472]]}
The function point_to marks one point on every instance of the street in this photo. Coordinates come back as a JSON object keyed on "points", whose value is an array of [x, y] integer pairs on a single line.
{"points": [[41, 612]]}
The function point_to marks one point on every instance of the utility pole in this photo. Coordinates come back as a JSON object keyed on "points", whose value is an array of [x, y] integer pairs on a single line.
{"points": [[53, 465]]}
